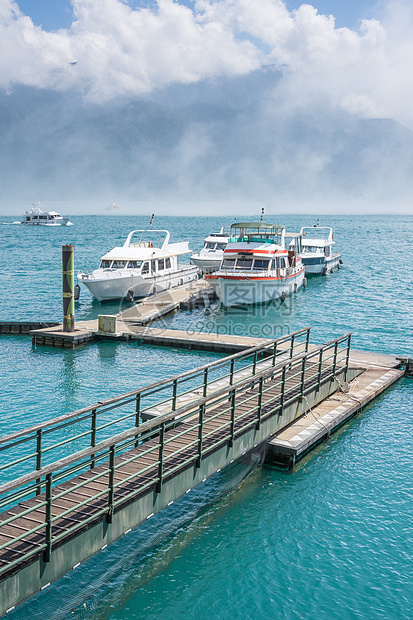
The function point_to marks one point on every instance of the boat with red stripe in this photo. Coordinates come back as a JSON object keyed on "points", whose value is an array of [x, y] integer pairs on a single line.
{"points": [[256, 267]]}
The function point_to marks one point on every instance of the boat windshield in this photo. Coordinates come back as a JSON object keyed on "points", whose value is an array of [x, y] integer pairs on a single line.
{"points": [[105, 264], [311, 249], [134, 264], [250, 232]]}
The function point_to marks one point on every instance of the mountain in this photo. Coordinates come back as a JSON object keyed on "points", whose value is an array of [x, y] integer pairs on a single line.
{"points": [[221, 140]]}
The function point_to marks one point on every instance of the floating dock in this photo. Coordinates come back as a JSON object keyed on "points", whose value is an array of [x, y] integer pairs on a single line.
{"points": [[273, 402], [132, 324], [296, 440]]}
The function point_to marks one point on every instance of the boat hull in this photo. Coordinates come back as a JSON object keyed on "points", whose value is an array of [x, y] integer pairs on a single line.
{"points": [[247, 290], [207, 265], [315, 265], [62, 222], [115, 285]]}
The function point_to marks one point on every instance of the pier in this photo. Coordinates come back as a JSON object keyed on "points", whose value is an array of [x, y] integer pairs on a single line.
{"points": [[128, 457]]}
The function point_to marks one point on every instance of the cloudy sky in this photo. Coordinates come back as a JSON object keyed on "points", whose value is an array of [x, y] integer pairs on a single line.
{"points": [[356, 55]]}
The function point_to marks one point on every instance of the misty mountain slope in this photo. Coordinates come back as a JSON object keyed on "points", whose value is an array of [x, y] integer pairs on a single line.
{"points": [[56, 147]]}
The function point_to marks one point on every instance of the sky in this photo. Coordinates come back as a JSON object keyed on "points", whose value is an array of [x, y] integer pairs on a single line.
{"points": [[353, 55], [54, 14]]}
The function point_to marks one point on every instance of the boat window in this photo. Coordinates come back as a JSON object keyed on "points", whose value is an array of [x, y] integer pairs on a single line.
{"points": [[281, 263], [261, 264], [43, 217], [134, 264], [209, 246], [273, 264], [228, 263], [244, 263], [105, 264], [167, 263], [145, 267], [221, 246], [161, 264], [327, 250], [118, 264]]}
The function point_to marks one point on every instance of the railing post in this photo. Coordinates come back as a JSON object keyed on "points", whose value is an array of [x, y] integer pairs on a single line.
{"points": [[137, 416], [231, 373], [307, 340], [282, 391], [204, 392], [292, 345], [111, 489], [274, 355], [347, 357], [302, 377], [48, 519], [232, 423], [93, 438], [254, 364], [200, 433], [160, 457], [335, 358], [174, 392], [38, 459], [261, 384], [320, 365]]}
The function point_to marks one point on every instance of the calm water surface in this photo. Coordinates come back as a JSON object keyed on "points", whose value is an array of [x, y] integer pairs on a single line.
{"points": [[330, 539]]}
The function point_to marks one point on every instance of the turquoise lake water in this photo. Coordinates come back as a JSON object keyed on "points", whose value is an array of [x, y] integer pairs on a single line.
{"points": [[330, 539]]}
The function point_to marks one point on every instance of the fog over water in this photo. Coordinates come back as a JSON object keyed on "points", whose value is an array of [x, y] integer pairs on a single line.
{"points": [[130, 102]]}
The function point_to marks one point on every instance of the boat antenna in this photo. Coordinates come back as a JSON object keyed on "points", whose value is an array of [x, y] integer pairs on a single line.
{"points": [[262, 214], [150, 223]]}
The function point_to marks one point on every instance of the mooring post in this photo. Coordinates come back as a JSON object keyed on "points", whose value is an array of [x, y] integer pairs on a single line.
{"points": [[68, 272]]}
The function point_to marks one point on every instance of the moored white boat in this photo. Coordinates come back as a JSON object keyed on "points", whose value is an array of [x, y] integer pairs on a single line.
{"points": [[209, 258], [256, 267], [318, 253], [37, 217], [140, 268]]}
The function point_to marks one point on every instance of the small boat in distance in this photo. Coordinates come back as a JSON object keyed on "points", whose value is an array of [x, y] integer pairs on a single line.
{"points": [[318, 253], [112, 207], [209, 258], [256, 267], [140, 268], [37, 217]]}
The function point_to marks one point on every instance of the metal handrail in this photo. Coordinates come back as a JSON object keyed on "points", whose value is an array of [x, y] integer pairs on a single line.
{"points": [[222, 404], [167, 417], [159, 384], [39, 432]]}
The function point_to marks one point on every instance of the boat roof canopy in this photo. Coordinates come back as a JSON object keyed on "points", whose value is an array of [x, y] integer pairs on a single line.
{"points": [[255, 225]]}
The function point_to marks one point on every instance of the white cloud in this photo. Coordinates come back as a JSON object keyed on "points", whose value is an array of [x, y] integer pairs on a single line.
{"points": [[123, 51]]}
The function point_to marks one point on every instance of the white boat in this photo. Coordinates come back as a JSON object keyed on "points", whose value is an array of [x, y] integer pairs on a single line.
{"points": [[209, 258], [140, 267], [256, 267], [112, 207], [318, 252], [37, 217]]}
